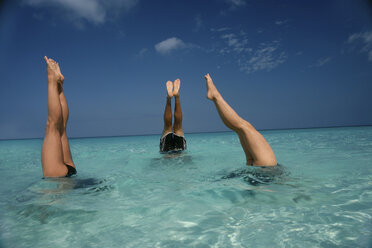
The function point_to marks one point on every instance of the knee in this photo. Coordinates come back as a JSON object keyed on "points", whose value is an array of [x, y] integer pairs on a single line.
{"points": [[54, 125], [244, 127]]}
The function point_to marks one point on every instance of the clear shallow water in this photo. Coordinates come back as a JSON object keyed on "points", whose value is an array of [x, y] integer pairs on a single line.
{"points": [[127, 194]]}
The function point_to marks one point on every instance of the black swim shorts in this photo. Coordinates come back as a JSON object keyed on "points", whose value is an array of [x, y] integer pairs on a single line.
{"points": [[70, 170], [172, 142]]}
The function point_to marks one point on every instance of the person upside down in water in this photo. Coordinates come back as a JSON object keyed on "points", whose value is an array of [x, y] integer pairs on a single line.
{"points": [[56, 156], [257, 151], [173, 137]]}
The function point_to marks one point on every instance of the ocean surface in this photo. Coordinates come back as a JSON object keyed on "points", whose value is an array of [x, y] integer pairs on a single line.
{"points": [[127, 194]]}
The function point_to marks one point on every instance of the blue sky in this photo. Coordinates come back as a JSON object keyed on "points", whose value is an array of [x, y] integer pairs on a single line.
{"points": [[279, 64]]}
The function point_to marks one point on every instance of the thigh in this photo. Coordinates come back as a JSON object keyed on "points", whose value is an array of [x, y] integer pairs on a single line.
{"points": [[258, 146], [52, 155], [67, 158], [179, 132], [247, 151]]}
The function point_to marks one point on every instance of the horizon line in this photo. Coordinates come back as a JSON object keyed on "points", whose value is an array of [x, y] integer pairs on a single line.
{"points": [[131, 135]]}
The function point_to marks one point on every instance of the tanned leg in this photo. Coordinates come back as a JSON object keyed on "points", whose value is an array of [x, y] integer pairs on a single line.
{"points": [[257, 150], [67, 158], [52, 153], [246, 149], [177, 109], [168, 128]]}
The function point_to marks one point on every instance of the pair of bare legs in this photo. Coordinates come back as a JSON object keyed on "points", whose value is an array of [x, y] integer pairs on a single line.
{"points": [[56, 153], [257, 151], [173, 90]]}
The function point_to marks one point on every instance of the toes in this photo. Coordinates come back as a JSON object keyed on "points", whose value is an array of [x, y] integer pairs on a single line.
{"points": [[52, 61]]}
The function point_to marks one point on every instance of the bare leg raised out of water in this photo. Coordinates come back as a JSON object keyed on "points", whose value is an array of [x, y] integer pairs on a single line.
{"points": [[168, 127], [177, 109], [55, 153], [257, 151], [67, 158]]}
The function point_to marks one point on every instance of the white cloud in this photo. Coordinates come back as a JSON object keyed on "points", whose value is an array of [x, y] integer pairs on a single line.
{"points": [[299, 53], [281, 22], [142, 52], [198, 22], [321, 62], [236, 3], [238, 45], [252, 58], [365, 39], [266, 57], [169, 45], [95, 11], [220, 29]]}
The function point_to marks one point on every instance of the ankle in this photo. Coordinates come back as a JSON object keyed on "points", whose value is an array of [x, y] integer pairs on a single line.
{"points": [[216, 98], [52, 80]]}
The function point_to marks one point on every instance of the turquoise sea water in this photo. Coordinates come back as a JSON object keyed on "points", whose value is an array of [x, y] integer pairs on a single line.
{"points": [[127, 194]]}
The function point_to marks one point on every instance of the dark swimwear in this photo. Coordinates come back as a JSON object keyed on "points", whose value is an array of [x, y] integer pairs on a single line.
{"points": [[172, 142], [70, 170], [259, 175]]}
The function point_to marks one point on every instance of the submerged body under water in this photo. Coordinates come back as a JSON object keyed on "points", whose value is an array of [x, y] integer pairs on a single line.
{"points": [[259, 175], [127, 194]]}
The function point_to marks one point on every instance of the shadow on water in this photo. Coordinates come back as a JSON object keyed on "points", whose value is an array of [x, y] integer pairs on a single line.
{"points": [[256, 176], [61, 186], [44, 199], [87, 185], [172, 159], [278, 175], [45, 213]]}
